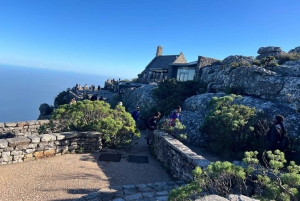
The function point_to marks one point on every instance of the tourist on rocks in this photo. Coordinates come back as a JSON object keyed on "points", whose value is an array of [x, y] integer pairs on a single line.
{"points": [[151, 126], [176, 114], [277, 136], [99, 88], [136, 114]]}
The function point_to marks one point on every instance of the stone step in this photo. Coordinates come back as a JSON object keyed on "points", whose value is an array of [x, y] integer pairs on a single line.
{"points": [[158, 191]]}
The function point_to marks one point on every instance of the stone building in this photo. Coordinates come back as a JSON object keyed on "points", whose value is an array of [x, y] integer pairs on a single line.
{"points": [[173, 66]]}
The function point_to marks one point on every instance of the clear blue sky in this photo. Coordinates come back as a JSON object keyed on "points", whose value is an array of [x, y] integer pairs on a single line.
{"points": [[118, 38]]}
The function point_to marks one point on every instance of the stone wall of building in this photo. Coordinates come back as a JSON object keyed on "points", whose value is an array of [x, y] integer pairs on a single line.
{"points": [[176, 157], [21, 149]]}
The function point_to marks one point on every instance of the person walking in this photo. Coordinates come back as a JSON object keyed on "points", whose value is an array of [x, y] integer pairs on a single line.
{"points": [[151, 127], [136, 114], [277, 136]]}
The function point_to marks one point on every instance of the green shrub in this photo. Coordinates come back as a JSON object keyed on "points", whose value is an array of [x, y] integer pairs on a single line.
{"points": [[227, 126], [256, 62], [270, 181], [287, 57], [178, 131], [116, 125], [172, 93], [273, 64], [239, 64], [267, 60], [273, 181]]}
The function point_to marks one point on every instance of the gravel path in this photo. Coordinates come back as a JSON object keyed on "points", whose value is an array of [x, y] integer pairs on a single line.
{"points": [[72, 176]]}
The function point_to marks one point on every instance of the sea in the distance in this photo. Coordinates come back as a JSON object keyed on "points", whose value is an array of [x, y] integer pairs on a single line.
{"points": [[24, 89]]}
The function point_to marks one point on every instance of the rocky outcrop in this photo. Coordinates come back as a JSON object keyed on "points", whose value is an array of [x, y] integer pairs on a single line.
{"points": [[195, 109], [275, 84], [238, 59], [139, 97], [269, 51], [45, 111], [296, 50]]}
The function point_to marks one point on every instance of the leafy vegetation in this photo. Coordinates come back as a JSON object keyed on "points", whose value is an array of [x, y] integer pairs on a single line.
{"points": [[116, 125], [266, 61], [270, 181], [172, 93], [178, 131], [287, 57], [231, 129]]}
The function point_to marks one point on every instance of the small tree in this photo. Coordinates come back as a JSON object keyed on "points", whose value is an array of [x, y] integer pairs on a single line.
{"points": [[267, 60], [117, 126], [227, 126]]}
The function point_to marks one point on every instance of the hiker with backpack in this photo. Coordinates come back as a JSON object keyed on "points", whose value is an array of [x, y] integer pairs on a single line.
{"points": [[151, 126], [277, 136]]}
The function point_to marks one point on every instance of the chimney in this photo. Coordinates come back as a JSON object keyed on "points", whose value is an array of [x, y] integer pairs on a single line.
{"points": [[159, 51]]}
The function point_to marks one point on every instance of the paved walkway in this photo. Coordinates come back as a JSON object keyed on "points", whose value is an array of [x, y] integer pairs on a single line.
{"points": [[73, 176]]}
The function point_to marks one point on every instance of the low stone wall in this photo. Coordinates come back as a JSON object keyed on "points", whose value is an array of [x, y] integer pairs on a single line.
{"points": [[178, 158], [21, 149], [17, 129]]}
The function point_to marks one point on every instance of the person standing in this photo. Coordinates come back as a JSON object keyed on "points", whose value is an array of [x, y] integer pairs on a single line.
{"points": [[136, 114], [176, 114], [152, 126], [277, 136]]}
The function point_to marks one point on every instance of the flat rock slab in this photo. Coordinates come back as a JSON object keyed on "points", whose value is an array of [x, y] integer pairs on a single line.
{"points": [[12, 142]]}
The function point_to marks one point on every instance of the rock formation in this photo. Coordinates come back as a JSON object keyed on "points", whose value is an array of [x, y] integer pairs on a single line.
{"points": [[45, 111], [296, 50], [269, 51]]}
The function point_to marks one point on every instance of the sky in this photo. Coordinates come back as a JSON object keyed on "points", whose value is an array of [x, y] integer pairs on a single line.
{"points": [[118, 38]]}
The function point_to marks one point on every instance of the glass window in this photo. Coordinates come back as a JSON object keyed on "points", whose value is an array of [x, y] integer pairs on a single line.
{"points": [[185, 73]]}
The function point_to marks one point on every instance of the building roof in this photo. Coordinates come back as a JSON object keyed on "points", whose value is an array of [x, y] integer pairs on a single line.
{"points": [[194, 63], [163, 61]]}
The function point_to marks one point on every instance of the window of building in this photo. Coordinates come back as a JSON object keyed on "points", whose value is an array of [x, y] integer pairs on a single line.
{"points": [[185, 73]]}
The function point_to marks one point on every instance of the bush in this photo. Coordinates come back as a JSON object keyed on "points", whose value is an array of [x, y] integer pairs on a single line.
{"points": [[178, 131], [239, 64], [267, 60], [228, 127], [270, 181], [117, 126], [256, 62], [287, 57], [171, 93]]}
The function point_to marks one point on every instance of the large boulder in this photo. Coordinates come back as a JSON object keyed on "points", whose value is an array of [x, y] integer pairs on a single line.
{"points": [[269, 51], [275, 84], [45, 111], [296, 50], [141, 96], [196, 107], [238, 59]]}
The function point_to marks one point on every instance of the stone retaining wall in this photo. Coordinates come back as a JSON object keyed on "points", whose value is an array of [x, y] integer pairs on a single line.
{"points": [[17, 129], [178, 158], [21, 149]]}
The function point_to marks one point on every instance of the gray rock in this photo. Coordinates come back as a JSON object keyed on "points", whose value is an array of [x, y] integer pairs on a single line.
{"points": [[10, 124], [232, 197], [269, 51], [264, 50], [295, 50], [12, 142], [237, 58], [3, 143], [212, 198]]}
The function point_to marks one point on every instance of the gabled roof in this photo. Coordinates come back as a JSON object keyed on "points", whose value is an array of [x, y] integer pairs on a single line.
{"points": [[163, 61]]}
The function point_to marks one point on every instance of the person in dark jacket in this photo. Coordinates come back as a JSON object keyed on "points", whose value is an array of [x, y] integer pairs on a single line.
{"points": [[152, 126], [277, 136], [135, 114]]}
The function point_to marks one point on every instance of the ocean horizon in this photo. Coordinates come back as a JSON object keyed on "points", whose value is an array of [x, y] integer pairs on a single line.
{"points": [[24, 89]]}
